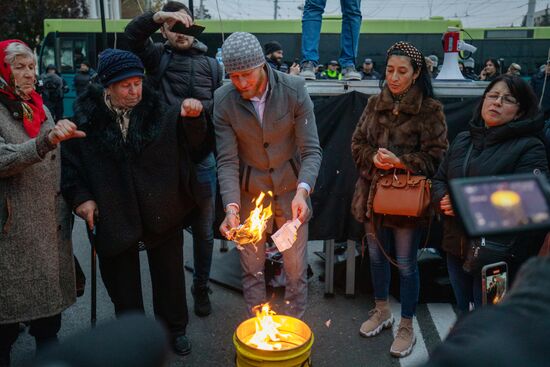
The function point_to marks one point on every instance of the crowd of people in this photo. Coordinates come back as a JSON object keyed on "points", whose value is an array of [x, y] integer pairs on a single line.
{"points": [[137, 164]]}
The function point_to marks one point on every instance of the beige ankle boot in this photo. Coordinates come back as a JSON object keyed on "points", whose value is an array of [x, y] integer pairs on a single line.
{"points": [[380, 317], [404, 340]]}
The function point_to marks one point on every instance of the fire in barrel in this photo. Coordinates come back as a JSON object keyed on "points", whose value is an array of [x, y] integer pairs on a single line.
{"points": [[273, 340]]}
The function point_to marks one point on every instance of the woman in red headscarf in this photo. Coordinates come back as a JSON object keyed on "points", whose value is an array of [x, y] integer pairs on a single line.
{"points": [[36, 263]]}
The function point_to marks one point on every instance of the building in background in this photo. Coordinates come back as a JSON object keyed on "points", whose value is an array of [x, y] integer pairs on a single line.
{"points": [[542, 18]]}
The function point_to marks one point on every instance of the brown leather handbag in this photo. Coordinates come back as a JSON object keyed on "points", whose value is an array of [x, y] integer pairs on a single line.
{"points": [[402, 194]]}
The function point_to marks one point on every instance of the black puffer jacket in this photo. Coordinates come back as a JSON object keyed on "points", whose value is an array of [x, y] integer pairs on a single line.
{"points": [[142, 185], [516, 147], [189, 73]]}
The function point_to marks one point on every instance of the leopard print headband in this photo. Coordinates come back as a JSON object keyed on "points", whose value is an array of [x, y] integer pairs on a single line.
{"points": [[409, 50]]}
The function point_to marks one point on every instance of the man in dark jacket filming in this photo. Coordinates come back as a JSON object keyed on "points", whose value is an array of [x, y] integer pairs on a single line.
{"points": [[131, 180], [181, 70]]}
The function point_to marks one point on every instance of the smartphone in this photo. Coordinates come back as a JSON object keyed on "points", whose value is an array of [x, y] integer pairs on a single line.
{"points": [[194, 31], [494, 282]]}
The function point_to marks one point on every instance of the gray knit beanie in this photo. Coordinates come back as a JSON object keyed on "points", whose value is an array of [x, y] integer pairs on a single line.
{"points": [[242, 51]]}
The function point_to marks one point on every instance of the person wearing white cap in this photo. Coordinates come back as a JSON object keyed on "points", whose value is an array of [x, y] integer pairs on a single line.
{"points": [[514, 69], [267, 141]]}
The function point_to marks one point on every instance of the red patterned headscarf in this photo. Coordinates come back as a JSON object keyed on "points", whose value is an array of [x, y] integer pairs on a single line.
{"points": [[28, 108]]}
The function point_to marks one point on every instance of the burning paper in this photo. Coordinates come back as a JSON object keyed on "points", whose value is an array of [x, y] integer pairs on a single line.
{"points": [[252, 230]]}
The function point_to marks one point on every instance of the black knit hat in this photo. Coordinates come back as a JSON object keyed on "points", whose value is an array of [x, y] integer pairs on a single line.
{"points": [[272, 46], [116, 65]]}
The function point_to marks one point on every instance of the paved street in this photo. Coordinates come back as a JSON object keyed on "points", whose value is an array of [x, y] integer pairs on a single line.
{"points": [[337, 343]]}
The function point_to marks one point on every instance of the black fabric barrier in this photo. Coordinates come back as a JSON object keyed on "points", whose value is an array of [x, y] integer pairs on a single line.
{"points": [[336, 119]]}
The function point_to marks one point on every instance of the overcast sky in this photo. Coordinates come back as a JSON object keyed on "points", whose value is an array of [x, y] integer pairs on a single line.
{"points": [[473, 13]]}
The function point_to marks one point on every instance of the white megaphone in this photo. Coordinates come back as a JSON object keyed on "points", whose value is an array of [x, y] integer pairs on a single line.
{"points": [[451, 46]]}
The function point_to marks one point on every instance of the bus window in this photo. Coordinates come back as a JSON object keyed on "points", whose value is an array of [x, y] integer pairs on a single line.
{"points": [[80, 52], [72, 52], [47, 54], [66, 56]]}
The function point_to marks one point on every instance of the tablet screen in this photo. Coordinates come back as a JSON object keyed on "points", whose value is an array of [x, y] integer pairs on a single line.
{"points": [[503, 204]]}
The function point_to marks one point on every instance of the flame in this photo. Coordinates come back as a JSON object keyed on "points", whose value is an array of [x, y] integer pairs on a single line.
{"points": [[267, 335], [252, 230]]}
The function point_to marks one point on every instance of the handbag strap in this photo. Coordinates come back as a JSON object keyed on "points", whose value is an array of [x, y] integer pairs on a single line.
{"points": [[388, 257]]}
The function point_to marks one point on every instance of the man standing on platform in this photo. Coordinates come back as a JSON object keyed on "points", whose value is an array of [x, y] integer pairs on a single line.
{"points": [[312, 20], [266, 138]]}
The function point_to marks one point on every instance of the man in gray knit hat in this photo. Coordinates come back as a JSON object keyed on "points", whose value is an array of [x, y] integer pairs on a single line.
{"points": [[267, 140]]}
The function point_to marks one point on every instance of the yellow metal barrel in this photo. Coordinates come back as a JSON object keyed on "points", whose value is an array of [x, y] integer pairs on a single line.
{"points": [[296, 355]]}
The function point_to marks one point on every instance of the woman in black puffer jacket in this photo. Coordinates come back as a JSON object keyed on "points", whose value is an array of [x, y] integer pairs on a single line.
{"points": [[506, 133]]}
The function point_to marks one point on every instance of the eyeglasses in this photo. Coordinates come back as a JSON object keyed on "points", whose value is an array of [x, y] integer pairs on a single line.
{"points": [[506, 98]]}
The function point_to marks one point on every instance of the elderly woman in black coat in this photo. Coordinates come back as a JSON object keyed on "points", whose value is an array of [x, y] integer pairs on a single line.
{"points": [[504, 138], [130, 179]]}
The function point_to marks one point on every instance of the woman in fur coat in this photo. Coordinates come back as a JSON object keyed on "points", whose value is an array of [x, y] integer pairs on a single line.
{"points": [[402, 129]]}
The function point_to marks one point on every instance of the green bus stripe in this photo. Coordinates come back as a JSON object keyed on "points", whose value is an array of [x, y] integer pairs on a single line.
{"points": [[331, 25], [293, 26]]}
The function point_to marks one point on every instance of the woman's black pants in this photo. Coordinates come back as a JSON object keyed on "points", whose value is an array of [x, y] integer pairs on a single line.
{"points": [[122, 278]]}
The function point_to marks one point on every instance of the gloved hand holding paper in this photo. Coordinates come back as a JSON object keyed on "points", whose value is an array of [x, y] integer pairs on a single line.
{"points": [[285, 237]]}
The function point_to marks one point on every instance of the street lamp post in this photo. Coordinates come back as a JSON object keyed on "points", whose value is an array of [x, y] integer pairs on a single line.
{"points": [[103, 26]]}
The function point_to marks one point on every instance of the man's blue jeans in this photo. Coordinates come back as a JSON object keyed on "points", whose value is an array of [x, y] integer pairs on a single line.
{"points": [[349, 37], [466, 287], [202, 227], [405, 241]]}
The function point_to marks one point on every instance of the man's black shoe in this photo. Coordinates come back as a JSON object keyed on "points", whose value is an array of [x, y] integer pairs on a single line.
{"points": [[181, 345], [202, 300]]}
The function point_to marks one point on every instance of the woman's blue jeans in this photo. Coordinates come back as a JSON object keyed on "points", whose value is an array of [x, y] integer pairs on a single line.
{"points": [[466, 287], [349, 37], [405, 241]]}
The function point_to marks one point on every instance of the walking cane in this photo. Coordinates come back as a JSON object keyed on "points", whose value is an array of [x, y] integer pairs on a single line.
{"points": [[94, 280]]}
